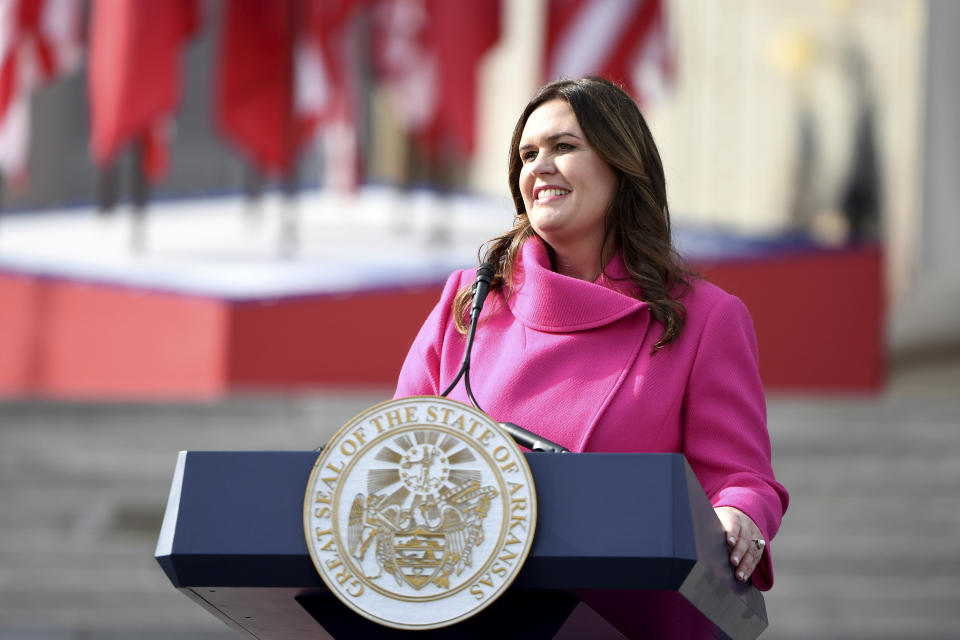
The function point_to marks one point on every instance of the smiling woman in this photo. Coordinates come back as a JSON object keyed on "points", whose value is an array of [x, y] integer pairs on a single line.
{"points": [[598, 338], [635, 220]]}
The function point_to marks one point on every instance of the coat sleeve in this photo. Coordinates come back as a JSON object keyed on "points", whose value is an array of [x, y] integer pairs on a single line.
{"points": [[725, 428], [423, 366]]}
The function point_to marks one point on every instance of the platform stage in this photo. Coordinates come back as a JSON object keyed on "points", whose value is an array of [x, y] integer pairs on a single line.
{"points": [[212, 306]]}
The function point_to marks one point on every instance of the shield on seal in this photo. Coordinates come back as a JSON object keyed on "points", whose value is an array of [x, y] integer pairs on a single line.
{"points": [[419, 555]]}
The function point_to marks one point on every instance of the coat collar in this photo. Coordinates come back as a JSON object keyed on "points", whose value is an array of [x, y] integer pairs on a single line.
{"points": [[547, 301]]}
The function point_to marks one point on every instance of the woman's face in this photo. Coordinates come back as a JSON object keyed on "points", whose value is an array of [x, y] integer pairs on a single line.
{"points": [[565, 184]]}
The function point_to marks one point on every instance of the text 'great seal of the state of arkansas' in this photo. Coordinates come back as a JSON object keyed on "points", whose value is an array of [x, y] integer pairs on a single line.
{"points": [[419, 512]]}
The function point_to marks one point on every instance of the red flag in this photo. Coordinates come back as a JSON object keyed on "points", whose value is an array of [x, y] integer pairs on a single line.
{"points": [[326, 93], [463, 33], [405, 60], [325, 54], [429, 52], [39, 39], [624, 40], [255, 87], [134, 75]]}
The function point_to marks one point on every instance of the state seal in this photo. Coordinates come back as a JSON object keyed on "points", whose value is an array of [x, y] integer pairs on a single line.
{"points": [[419, 512]]}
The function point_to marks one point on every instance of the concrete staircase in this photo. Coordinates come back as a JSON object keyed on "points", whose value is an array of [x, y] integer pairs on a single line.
{"points": [[870, 547]]}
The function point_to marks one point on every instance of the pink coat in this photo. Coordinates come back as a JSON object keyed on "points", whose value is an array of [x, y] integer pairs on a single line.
{"points": [[573, 361]]}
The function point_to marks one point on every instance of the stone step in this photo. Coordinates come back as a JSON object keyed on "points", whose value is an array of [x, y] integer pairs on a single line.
{"points": [[869, 548], [896, 476]]}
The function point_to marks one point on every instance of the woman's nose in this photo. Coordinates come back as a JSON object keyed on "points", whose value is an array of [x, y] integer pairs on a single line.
{"points": [[542, 164]]}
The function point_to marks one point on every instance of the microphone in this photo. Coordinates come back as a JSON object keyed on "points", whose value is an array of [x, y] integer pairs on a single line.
{"points": [[480, 289], [528, 439]]}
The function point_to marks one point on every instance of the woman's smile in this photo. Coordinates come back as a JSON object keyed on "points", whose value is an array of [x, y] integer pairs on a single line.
{"points": [[548, 193]]}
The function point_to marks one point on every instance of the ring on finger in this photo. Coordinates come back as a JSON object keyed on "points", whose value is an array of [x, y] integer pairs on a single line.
{"points": [[760, 542]]}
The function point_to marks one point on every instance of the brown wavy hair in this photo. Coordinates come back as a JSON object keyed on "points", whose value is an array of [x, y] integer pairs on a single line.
{"points": [[637, 219]]}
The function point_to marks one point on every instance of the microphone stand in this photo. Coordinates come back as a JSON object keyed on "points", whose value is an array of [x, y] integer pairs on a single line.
{"points": [[520, 435]]}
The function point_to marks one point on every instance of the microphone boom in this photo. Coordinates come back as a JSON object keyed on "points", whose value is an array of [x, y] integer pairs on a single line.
{"points": [[528, 439]]}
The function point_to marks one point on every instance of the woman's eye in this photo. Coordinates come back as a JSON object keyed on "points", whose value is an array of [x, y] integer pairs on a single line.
{"points": [[529, 156], [564, 146]]}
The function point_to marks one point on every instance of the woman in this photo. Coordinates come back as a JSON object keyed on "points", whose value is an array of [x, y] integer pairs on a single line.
{"points": [[595, 336]]}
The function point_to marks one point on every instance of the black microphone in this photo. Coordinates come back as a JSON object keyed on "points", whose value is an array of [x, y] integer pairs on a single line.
{"points": [[530, 440], [480, 289]]}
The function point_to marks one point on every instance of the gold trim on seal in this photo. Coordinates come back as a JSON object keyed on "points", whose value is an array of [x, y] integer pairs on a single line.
{"points": [[419, 512]]}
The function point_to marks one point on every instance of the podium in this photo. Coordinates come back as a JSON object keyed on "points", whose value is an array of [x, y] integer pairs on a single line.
{"points": [[626, 546]]}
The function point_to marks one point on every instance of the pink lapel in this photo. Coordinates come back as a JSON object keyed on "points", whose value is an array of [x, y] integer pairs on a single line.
{"points": [[562, 350]]}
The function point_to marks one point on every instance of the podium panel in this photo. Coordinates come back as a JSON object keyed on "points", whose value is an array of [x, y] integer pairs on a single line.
{"points": [[627, 545]]}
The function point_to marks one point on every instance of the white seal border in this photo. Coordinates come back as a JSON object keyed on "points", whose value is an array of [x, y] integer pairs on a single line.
{"points": [[323, 458]]}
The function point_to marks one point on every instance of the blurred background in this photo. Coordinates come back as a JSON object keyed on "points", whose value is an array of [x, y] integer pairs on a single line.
{"points": [[223, 221]]}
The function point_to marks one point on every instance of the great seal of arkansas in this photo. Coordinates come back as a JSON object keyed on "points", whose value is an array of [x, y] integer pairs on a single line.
{"points": [[419, 512]]}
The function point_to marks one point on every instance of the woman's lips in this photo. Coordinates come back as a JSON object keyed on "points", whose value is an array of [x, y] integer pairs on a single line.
{"points": [[548, 194]]}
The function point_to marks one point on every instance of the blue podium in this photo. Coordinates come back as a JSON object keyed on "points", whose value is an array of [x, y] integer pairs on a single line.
{"points": [[627, 546]]}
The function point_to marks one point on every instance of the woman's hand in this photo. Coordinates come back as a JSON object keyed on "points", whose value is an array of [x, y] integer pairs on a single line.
{"points": [[742, 536]]}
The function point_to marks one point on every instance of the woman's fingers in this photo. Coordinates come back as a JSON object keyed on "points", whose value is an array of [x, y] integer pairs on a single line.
{"points": [[745, 558], [731, 524], [741, 534], [740, 558], [733, 536]]}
